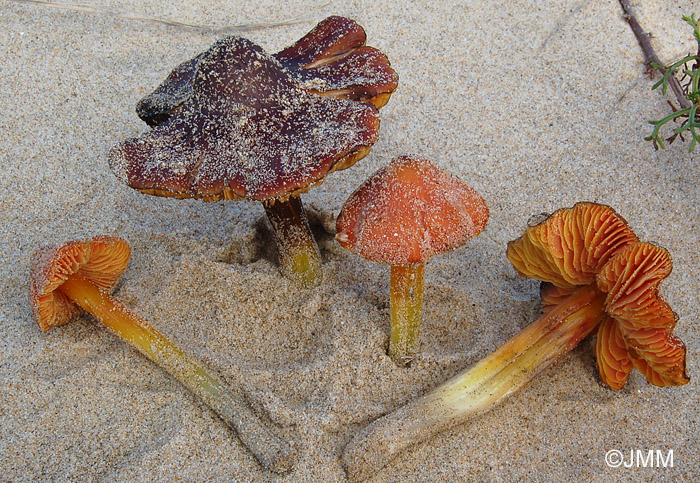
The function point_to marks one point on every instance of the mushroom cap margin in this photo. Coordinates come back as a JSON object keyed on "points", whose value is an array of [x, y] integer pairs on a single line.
{"points": [[101, 260]]}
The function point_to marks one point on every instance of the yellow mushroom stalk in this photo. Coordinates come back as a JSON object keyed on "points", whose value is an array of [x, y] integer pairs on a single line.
{"points": [[298, 253], [406, 302], [598, 275], [79, 275]]}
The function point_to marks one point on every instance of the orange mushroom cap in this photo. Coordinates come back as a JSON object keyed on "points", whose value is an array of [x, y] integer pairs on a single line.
{"points": [[409, 211], [590, 244], [101, 260], [247, 131], [569, 247], [644, 321]]}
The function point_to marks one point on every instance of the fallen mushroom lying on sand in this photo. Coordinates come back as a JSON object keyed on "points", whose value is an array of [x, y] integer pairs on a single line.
{"points": [[238, 123], [596, 274], [402, 215], [78, 275]]}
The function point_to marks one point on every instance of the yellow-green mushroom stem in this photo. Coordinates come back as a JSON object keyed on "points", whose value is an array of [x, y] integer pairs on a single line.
{"points": [[298, 252], [406, 298], [479, 388], [273, 453]]}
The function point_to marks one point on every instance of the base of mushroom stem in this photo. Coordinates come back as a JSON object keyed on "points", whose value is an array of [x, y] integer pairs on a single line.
{"points": [[299, 257], [406, 312], [230, 404]]}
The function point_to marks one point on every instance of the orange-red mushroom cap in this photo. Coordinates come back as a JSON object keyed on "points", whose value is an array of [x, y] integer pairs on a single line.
{"points": [[571, 245], [644, 321], [101, 260], [409, 211], [590, 244]]}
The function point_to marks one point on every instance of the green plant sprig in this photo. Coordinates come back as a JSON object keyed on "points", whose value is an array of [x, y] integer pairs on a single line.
{"points": [[690, 90]]}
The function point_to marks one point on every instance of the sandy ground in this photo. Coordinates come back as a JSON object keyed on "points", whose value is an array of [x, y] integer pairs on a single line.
{"points": [[537, 107]]}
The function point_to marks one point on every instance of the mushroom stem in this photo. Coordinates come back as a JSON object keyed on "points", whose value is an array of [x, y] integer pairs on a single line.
{"points": [[406, 310], [273, 453], [491, 380], [299, 257]]}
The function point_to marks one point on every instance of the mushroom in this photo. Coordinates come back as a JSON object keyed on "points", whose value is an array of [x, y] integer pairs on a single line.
{"points": [[402, 215], [79, 275], [237, 123], [332, 60], [596, 274]]}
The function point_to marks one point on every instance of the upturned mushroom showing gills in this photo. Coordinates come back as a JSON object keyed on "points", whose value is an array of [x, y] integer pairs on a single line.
{"points": [[238, 123], [402, 215], [596, 274], [79, 275]]}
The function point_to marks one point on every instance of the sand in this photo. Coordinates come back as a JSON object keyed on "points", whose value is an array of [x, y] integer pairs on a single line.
{"points": [[536, 106]]}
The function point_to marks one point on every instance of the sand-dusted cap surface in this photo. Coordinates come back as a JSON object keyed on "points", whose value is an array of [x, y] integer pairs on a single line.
{"points": [[409, 211], [402, 215], [334, 61], [160, 105], [331, 60], [248, 131], [330, 40]]}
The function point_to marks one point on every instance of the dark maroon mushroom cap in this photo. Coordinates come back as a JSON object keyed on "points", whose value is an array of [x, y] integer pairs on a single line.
{"points": [[248, 130], [331, 60], [332, 38], [158, 106]]}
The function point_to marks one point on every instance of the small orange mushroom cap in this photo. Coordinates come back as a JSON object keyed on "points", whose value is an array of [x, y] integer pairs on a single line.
{"points": [[101, 260], [409, 211], [591, 244]]}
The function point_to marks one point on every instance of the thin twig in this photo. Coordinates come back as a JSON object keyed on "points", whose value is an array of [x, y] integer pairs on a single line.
{"points": [[650, 56], [613, 109], [170, 23], [560, 24]]}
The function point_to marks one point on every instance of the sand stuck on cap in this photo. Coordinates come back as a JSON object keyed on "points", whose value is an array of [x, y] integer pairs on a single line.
{"points": [[538, 106]]}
